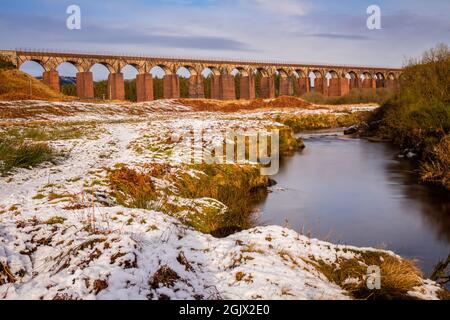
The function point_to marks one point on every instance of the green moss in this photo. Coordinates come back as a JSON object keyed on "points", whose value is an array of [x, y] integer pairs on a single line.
{"points": [[55, 220], [39, 196]]}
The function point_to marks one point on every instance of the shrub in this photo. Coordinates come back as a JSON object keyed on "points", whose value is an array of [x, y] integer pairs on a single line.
{"points": [[418, 116], [380, 96]]}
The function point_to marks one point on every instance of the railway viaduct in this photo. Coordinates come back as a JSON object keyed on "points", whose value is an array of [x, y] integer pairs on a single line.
{"points": [[330, 80]]}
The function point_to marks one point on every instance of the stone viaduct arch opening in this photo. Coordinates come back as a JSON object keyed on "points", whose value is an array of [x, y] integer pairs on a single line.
{"points": [[236, 73], [184, 76], [219, 83], [391, 81], [207, 75], [191, 82], [380, 80], [244, 83], [264, 83], [316, 81], [67, 72], [284, 85], [33, 67], [301, 82], [130, 73], [97, 77], [354, 80], [158, 73], [368, 81]]}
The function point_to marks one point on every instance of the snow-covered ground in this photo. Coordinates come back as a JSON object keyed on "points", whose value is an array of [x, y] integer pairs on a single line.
{"points": [[62, 236]]}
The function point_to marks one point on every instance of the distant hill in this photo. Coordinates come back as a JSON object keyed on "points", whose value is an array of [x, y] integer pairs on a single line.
{"points": [[17, 85], [64, 80]]}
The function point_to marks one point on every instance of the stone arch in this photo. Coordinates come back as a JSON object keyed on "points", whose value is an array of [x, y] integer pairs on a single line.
{"points": [[330, 74], [29, 63], [354, 80], [126, 69], [67, 72], [244, 82], [282, 72], [98, 74], [190, 86], [366, 75], [127, 74], [317, 80], [391, 81], [285, 85], [380, 79], [74, 63], [167, 69], [223, 86], [244, 72], [210, 77], [338, 83], [368, 80], [333, 73], [391, 76], [301, 81], [264, 82], [44, 68], [208, 70], [166, 83]]}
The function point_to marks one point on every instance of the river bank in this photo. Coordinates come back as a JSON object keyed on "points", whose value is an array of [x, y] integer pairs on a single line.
{"points": [[65, 234]]}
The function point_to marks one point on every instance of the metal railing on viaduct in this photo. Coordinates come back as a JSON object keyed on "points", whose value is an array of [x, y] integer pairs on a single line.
{"points": [[330, 80]]}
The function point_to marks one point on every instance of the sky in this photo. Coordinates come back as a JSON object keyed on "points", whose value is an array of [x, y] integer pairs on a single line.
{"points": [[303, 31]]}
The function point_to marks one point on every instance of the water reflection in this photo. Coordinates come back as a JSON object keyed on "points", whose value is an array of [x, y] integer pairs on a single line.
{"points": [[358, 192]]}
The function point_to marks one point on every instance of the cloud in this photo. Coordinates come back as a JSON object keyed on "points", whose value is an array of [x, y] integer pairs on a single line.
{"points": [[339, 36], [288, 7], [39, 31]]}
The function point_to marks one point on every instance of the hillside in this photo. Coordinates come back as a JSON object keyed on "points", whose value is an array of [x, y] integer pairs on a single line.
{"points": [[15, 85]]}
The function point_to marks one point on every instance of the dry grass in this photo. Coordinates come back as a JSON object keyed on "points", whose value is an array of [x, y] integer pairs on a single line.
{"points": [[131, 188], [322, 121], [398, 276], [163, 277], [15, 85], [238, 105], [437, 170], [238, 187], [6, 275]]}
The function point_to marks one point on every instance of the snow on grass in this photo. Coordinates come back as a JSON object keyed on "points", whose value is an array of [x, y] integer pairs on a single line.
{"points": [[62, 236]]}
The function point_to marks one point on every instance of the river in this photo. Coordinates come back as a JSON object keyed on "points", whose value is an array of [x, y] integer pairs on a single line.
{"points": [[356, 192]]}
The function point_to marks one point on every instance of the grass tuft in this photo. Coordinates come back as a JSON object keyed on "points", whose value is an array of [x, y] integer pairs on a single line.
{"points": [[398, 276], [24, 155], [131, 188]]}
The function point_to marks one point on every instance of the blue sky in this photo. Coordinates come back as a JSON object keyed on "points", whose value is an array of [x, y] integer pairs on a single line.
{"points": [[288, 30]]}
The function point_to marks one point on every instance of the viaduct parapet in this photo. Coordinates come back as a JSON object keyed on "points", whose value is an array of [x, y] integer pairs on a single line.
{"points": [[330, 80]]}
